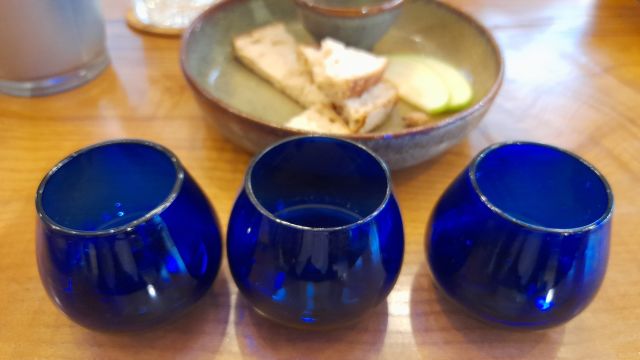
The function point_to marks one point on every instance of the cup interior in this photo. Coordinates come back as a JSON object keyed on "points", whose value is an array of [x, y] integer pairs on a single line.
{"points": [[108, 185], [318, 182], [541, 185]]}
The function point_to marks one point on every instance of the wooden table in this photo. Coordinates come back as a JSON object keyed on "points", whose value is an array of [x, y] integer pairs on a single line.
{"points": [[572, 80]]}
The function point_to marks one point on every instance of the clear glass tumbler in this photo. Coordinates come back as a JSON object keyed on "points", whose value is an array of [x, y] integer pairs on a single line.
{"points": [[169, 14], [49, 46]]}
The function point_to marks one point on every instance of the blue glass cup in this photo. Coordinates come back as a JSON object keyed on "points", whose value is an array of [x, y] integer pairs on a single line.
{"points": [[315, 237], [125, 239], [521, 237]]}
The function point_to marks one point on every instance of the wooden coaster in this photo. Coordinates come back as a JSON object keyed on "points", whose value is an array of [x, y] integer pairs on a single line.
{"points": [[134, 22]]}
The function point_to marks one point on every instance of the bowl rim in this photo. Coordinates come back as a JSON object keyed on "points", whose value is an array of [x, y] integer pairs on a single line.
{"points": [[604, 218], [349, 12], [249, 120], [248, 188], [163, 205]]}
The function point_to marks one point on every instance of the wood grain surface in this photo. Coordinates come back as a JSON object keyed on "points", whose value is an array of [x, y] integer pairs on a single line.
{"points": [[572, 80]]}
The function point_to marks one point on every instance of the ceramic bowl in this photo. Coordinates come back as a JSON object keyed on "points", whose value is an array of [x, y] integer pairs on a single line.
{"points": [[360, 24], [251, 112]]}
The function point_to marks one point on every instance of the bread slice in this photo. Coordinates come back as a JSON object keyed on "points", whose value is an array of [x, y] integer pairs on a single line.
{"points": [[271, 52], [342, 72], [319, 119], [366, 112], [415, 118]]}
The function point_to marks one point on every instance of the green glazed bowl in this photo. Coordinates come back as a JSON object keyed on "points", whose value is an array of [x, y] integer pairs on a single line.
{"points": [[250, 112]]}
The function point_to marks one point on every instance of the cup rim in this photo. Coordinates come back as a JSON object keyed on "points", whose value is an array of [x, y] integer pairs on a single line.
{"points": [[252, 197], [567, 231], [164, 204], [350, 12]]}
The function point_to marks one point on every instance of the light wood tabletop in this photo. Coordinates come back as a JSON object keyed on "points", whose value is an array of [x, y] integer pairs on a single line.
{"points": [[572, 80]]}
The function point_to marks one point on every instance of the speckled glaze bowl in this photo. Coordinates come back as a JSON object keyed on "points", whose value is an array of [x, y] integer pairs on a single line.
{"points": [[251, 112], [359, 23]]}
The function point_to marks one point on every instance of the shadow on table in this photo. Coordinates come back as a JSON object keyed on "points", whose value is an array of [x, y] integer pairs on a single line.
{"points": [[201, 329], [443, 330], [262, 338]]}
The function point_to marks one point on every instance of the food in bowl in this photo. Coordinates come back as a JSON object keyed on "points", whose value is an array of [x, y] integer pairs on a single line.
{"points": [[349, 90], [428, 83], [252, 113]]}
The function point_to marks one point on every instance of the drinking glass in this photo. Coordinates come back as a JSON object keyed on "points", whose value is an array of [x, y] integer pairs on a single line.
{"points": [[315, 237], [125, 239], [168, 14], [521, 237], [358, 23], [49, 46]]}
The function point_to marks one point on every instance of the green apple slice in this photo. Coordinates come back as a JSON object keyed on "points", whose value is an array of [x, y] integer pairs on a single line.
{"points": [[418, 84], [460, 92]]}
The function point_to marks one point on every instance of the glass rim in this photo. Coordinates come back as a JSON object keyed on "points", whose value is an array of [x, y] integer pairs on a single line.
{"points": [[350, 11], [163, 205], [254, 200], [471, 172]]}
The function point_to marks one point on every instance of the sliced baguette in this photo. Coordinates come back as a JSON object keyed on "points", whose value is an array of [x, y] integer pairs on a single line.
{"points": [[368, 111], [342, 72], [320, 119], [271, 52]]}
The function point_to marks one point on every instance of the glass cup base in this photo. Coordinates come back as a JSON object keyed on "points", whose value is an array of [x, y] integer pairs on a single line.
{"points": [[57, 83]]}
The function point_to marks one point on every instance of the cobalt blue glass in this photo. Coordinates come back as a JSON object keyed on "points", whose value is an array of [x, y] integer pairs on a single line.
{"points": [[521, 237], [315, 237], [125, 239]]}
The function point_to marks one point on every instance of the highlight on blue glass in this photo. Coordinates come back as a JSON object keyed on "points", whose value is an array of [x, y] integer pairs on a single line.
{"points": [[521, 237], [125, 239], [315, 237]]}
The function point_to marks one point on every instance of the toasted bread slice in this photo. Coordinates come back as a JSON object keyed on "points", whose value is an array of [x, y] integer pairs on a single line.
{"points": [[271, 52], [342, 72], [366, 112], [319, 119], [415, 118]]}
